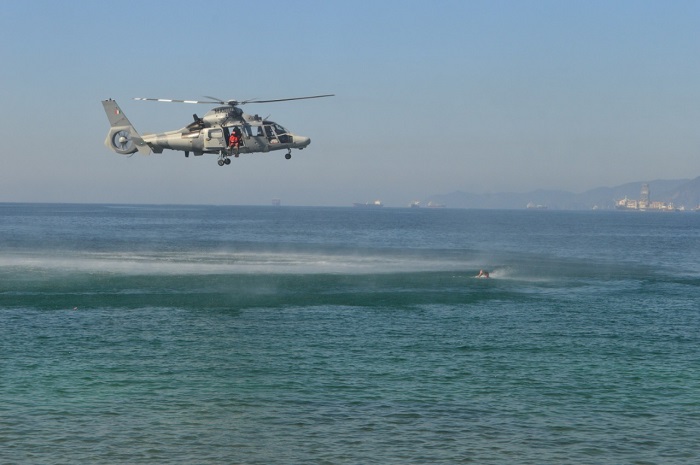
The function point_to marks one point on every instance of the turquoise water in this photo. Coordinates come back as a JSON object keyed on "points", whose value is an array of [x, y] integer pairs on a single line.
{"points": [[257, 335]]}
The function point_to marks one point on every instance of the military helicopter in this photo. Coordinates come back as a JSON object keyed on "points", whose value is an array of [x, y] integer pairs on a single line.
{"points": [[208, 134]]}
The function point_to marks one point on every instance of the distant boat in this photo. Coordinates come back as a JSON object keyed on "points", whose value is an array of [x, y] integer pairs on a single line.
{"points": [[532, 206], [375, 204], [436, 205], [415, 204]]}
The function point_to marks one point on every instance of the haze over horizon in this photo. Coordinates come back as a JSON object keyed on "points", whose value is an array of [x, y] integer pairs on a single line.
{"points": [[478, 96]]}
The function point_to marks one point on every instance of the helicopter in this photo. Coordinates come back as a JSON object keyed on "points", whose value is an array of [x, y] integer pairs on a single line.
{"points": [[208, 134]]}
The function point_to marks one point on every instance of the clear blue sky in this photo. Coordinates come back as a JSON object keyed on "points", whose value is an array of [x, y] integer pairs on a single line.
{"points": [[431, 97]]}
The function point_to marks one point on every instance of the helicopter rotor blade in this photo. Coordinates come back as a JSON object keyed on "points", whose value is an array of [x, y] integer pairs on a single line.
{"points": [[232, 102], [172, 100], [218, 100], [285, 99]]}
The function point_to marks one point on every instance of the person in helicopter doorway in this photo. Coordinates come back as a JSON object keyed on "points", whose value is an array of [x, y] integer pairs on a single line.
{"points": [[234, 141]]}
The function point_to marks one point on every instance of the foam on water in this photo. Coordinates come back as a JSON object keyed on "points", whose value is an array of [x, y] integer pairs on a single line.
{"points": [[200, 263]]}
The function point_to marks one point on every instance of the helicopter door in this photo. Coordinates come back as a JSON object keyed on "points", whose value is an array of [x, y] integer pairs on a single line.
{"points": [[214, 139]]}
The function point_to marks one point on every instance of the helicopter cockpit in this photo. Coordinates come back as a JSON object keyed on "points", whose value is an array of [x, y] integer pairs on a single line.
{"points": [[274, 132]]}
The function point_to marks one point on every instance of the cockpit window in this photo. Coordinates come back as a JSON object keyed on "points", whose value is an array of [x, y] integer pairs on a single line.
{"points": [[279, 129]]}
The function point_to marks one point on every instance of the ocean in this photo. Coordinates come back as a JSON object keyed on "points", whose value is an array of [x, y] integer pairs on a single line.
{"points": [[258, 335]]}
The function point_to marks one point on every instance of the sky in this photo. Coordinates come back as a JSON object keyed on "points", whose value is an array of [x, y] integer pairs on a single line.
{"points": [[430, 97]]}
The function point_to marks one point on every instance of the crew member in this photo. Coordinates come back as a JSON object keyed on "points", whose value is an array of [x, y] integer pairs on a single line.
{"points": [[234, 141]]}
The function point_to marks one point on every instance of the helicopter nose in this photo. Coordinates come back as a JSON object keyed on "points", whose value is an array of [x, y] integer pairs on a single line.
{"points": [[301, 141]]}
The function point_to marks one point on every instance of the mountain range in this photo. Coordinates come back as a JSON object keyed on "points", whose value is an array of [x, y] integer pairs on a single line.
{"points": [[680, 192]]}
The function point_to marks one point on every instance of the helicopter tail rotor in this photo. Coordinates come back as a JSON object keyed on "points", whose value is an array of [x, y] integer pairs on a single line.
{"points": [[122, 137], [122, 141]]}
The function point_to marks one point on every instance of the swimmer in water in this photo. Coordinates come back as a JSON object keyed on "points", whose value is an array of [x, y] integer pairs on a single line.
{"points": [[483, 274]]}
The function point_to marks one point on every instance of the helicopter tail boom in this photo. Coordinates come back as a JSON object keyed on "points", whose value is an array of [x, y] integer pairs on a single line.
{"points": [[122, 137]]}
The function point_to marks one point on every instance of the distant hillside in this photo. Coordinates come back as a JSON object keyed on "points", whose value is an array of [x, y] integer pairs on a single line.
{"points": [[682, 192]]}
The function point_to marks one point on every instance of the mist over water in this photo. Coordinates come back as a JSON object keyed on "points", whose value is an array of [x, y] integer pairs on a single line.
{"points": [[175, 334]]}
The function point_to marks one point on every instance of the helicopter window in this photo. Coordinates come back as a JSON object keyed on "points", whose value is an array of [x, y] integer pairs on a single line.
{"points": [[252, 131], [279, 129]]}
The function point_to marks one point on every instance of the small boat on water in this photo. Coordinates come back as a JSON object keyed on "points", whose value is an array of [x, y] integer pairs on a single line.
{"points": [[436, 205], [375, 204]]}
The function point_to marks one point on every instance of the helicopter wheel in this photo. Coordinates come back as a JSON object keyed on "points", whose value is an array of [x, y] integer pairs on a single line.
{"points": [[221, 162], [227, 161], [287, 156]]}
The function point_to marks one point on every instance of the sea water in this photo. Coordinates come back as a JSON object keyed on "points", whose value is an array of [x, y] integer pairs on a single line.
{"points": [[258, 335]]}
